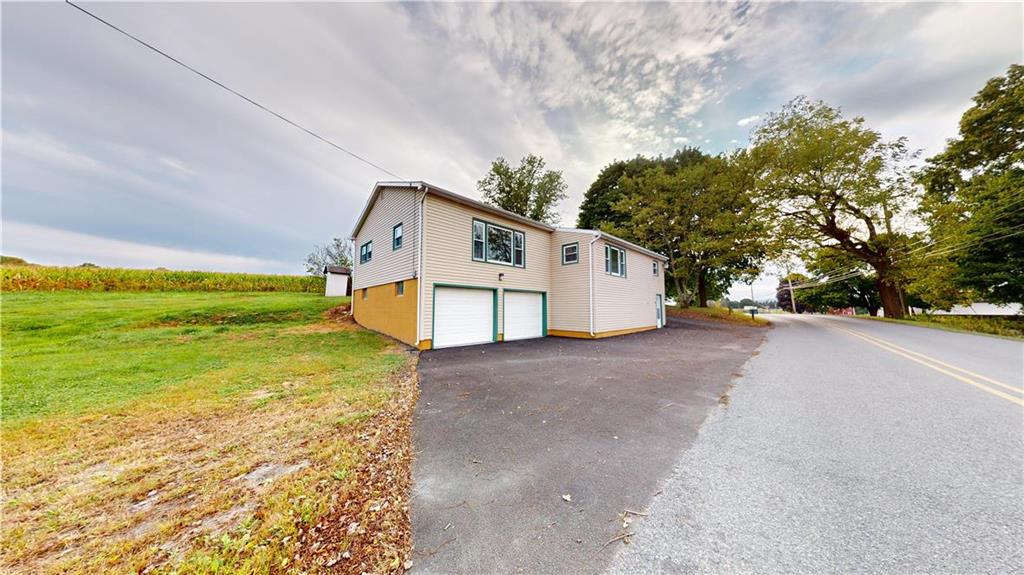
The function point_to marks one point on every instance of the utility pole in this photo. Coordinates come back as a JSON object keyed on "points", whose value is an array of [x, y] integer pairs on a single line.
{"points": [[792, 300]]}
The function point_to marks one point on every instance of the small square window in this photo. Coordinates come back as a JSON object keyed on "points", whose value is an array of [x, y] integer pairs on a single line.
{"points": [[396, 237], [399, 288], [570, 253]]}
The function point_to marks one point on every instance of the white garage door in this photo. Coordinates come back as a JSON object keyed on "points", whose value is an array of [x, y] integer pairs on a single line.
{"points": [[463, 316], [524, 315]]}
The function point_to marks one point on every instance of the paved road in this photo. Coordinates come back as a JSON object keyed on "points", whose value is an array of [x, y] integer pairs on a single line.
{"points": [[503, 431], [840, 452]]}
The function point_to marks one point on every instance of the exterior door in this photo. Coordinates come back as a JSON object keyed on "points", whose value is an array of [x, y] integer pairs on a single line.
{"points": [[661, 310], [463, 316], [524, 315]]}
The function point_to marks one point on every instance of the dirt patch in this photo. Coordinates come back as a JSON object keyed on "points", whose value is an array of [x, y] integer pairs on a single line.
{"points": [[342, 313], [226, 318], [268, 472]]}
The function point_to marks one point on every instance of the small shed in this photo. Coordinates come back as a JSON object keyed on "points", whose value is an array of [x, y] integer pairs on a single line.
{"points": [[337, 281]]}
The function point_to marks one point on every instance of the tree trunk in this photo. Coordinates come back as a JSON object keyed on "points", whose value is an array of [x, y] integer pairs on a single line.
{"points": [[702, 289], [889, 293], [681, 297]]}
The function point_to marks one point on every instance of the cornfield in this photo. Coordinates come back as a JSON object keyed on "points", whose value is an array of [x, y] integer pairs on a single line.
{"points": [[45, 278]]}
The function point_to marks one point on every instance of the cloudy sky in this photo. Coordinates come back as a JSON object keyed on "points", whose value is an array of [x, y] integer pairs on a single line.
{"points": [[114, 155]]}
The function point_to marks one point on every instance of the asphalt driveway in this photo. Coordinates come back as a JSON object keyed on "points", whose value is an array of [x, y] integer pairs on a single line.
{"points": [[502, 432]]}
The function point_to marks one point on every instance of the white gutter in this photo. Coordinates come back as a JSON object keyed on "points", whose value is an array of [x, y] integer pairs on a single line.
{"points": [[590, 250], [419, 270]]}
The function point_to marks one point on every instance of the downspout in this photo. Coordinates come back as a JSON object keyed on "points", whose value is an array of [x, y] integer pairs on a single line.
{"points": [[352, 281], [419, 269], [590, 251]]}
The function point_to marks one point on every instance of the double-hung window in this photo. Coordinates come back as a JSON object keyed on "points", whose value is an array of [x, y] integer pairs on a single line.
{"points": [[571, 253], [614, 261], [366, 252], [655, 268], [396, 237], [498, 245]]}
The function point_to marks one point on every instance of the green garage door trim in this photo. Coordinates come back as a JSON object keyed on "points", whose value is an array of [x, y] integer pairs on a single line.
{"points": [[494, 306], [543, 306]]}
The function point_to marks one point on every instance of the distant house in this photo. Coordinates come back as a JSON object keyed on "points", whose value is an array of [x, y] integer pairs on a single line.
{"points": [[977, 308], [337, 280], [437, 269]]}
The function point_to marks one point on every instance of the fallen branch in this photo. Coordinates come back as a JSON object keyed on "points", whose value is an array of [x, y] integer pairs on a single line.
{"points": [[616, 538]]}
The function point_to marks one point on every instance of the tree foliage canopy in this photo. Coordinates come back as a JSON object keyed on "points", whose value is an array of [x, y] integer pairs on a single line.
{"points": [[974, 203], [834, 183], [528, 189], [700, 216]]}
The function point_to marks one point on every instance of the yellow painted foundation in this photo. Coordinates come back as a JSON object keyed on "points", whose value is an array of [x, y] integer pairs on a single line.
{"points": [[383, 310], [600, 334]]}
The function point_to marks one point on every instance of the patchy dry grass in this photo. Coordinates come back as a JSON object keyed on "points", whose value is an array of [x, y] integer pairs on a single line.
{"points": [[1011, 327], [717, 314], [201, 433]]}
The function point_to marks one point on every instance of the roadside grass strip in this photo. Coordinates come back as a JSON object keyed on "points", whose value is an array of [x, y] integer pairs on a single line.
{"points": [[942, 367]]}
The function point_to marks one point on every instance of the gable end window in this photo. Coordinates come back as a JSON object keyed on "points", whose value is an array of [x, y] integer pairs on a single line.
{"points": [[614, 261], [366, 252], [498, 245], [396, 237], [571, 253], [655, 268]]}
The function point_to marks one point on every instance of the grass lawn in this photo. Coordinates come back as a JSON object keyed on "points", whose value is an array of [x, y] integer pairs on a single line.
{"points": [[717, 314], [200, 432], [1007, 326]]}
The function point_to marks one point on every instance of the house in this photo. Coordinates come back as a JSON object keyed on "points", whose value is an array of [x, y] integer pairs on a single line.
{"points": [[437, 269], [337, 280]]}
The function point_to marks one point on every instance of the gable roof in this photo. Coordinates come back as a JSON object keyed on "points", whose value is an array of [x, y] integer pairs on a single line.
{"points": [[443, 193], [336, 270], [452, 196], [617, 240]]}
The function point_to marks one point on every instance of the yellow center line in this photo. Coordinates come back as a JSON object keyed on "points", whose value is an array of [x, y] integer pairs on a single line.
{"points": [[938, 362], [955, 376]]}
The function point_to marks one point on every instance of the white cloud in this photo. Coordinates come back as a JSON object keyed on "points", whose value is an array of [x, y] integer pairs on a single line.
{"points": [[41, 244], [743, 122]]}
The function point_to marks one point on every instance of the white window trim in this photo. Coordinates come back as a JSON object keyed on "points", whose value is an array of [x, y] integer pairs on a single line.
{"points": [[621, 272]]}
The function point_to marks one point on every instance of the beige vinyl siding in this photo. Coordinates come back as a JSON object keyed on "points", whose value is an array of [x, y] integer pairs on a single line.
{"points": [[569, 300], [448, 256], [393, 206], [626, 302]]}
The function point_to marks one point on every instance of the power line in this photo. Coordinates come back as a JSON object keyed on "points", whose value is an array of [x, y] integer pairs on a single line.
{"points": [[997, 212], [231, 90], [1014, 231]]}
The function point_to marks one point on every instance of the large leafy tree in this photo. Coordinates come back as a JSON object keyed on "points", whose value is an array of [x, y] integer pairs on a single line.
{"points": [[974, 203], [856, 291], [701, 217], [598, 207], [834, 183], [527, 189]]}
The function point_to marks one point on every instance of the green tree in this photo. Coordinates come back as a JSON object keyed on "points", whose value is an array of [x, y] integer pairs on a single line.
{"points": [[528, 189], [701, 217], [782, 293], [831, 182], [857, 291], [974, 203], [598, 207]]}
